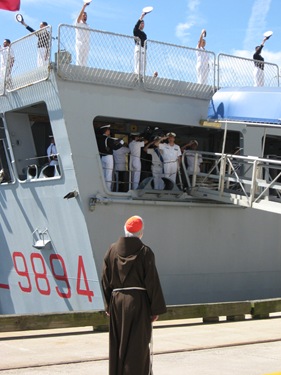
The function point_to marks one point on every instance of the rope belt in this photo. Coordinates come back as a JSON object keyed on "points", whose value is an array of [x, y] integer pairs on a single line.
{"points": [[129, 288]]}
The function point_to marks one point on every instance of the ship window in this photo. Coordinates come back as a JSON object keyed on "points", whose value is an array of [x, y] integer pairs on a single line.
{"points": [[30, 131], [210, 140], [5, 164]]}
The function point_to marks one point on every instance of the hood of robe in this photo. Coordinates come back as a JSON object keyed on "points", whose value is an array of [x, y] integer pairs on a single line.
{"points": [[127, 249]]}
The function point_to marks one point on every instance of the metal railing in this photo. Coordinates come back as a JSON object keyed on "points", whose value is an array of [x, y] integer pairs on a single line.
{"points": [[109, 60], [179, 70], [168, 68], [31, 60], [255, 180], [236, 71]]}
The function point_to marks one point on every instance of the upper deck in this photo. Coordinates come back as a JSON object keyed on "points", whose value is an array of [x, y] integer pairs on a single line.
{"points": [[111, 62]]}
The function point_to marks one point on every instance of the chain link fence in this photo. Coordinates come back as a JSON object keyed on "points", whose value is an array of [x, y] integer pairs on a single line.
{"points": [[236, 71], [28, 61], [111, 60], [179, 70], [107, 58], [3, 53]]}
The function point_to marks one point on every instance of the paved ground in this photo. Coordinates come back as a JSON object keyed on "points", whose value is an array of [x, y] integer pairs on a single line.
{"points": [[251, 347]]}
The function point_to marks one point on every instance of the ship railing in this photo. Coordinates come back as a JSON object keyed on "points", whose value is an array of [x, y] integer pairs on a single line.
{"points": [[234, 71], [166, 68], [173, 69], [37, 169], [252, 179], [110, 59], [27, 61]]}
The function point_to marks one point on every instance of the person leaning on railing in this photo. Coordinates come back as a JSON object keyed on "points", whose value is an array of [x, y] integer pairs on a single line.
{"points": [[259, 65], [43, 43]]}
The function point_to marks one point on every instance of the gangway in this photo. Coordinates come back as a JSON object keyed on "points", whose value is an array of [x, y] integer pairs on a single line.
{"points": [[248, 181], [240, 180]]}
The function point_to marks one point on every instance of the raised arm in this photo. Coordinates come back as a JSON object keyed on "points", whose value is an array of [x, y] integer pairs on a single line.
{"points": [[147, 145], [27, 27], [79, 18], [264, 40], [201, 41], [157, 143], [190, 143]]}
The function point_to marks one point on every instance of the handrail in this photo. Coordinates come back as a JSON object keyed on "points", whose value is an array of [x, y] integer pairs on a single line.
{"points": [[111, 62], [235, 71], [255, 180]]}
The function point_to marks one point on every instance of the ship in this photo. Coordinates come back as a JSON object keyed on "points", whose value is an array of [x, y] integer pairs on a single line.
{"points": [[215, 234]]}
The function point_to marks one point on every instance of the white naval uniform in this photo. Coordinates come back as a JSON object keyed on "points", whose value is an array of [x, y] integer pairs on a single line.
{"points": [[7, 57], [120, 158], [82, 46], [202, 66], [170, 155], [258, 77], [107, 167], [157, 169], [121, 169], [52, 150], [190, 158], [135, 162], [139, 59]]}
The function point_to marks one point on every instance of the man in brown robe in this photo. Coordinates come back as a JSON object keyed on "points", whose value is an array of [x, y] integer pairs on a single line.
{"points": [[133, 300]]}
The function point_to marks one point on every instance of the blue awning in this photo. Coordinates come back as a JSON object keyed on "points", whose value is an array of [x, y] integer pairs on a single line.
{"points": [[249, 104]]}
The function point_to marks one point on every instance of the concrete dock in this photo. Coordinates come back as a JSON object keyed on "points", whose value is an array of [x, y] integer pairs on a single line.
{"points": [[250, 347]]}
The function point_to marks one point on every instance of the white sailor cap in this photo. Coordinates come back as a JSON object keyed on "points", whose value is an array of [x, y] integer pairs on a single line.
{"points": [[135, 133], [105, 126], [171, 134]]}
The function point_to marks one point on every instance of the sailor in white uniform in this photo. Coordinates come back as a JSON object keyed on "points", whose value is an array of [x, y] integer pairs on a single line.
{"points": [[202, 65], [135, 161], [120, 167], [52, 152], [190, 157], [171, 153], [106, 145], [83, 36]]}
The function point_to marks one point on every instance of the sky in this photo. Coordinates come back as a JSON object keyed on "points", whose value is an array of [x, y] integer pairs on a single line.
{"points": [[233, 27]]}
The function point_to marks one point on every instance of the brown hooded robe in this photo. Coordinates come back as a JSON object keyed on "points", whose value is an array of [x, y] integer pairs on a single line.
{"points": [[129, 263]]}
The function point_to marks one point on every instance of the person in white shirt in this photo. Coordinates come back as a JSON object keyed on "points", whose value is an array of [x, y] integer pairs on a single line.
{"points": [[135, 161], [83, 36], [52, 152], [202, 66], [190, 154], [7, 59], [120, 166], [171, 153]]}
